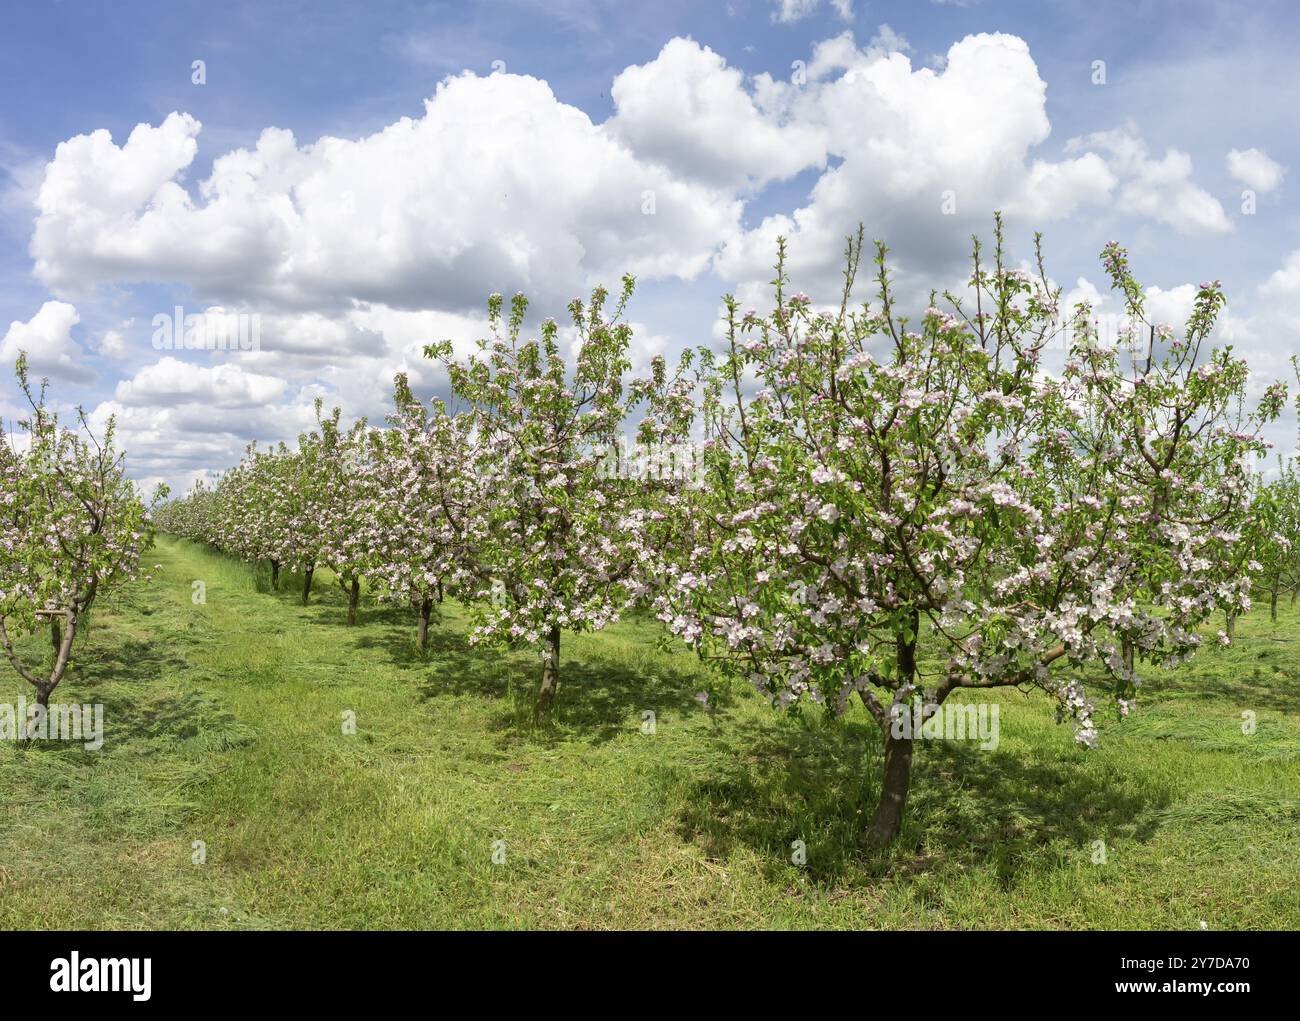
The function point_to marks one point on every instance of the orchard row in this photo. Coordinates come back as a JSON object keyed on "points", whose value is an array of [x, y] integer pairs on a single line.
{"points": [[882, 510]]}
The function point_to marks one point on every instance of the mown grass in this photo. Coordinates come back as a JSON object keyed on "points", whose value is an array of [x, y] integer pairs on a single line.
{"points": [[224, 724]]}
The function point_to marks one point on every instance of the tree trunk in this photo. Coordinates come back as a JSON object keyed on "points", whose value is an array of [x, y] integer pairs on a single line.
{"points": [[275, 575], [1126, 650], [893, 791], [426, 611], [550, 676], [61, 639], [1295, 592], [354, 596], [440, 590], [897, 775], [1272, 602], [42, 700], [306, 584], [1232, 624]]}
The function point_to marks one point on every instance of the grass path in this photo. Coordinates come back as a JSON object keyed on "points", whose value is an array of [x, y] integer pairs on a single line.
{"points": [[224, 724]]}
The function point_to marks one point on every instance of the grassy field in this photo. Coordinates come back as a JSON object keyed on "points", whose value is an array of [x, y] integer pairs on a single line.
{"points": [[224, 724]]}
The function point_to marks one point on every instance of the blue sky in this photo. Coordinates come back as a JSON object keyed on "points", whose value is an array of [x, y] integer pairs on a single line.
{"points": [[361, 237]]}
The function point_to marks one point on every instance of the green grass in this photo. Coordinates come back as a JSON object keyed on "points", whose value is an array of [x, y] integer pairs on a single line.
{"points": [[224, 724]]}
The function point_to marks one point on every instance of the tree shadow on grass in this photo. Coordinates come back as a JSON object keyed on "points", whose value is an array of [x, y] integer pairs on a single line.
{"points": [[1246, 686], [779, 781], [398, 620], [393, 629], [167, 720], [130, 660], [776, 780], [597, 700], [133, 681], [1006, 809], [324, 590]]}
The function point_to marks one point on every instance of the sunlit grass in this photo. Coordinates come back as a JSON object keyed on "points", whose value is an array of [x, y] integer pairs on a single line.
{"points": [[225, 725]]}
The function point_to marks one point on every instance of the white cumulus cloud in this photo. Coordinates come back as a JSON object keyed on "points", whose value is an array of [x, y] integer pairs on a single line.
{"points": [[690, 112], [171, 381], [47, 339], [1255, 169], [922, 157], [499, 186], [1157, 189]]}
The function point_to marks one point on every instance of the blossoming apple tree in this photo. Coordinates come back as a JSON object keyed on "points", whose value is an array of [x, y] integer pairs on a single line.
{"points": [[545, 529], [415, 490], [340, 484], [293, 497], [71, 527], [900, 513], [250, 528]]}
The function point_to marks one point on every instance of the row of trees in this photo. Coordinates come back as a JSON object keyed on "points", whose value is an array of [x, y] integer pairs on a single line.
{"points": [[884, 510], [1274, 534]]}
